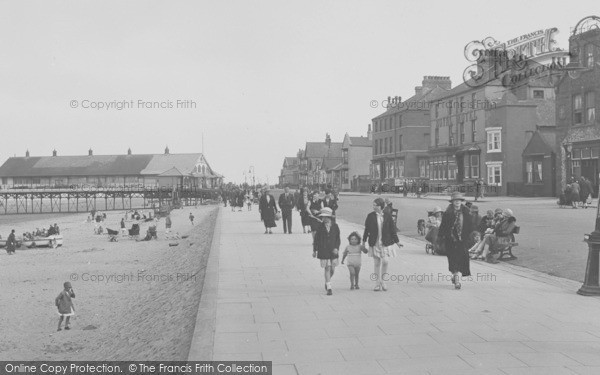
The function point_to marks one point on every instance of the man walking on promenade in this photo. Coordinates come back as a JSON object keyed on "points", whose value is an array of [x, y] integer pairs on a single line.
{"points": [[286, 204]]}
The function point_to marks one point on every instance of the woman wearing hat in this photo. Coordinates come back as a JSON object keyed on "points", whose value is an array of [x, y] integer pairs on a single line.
{"points": [[326, 245], [380, 231], [455, 230], [268, 209]]}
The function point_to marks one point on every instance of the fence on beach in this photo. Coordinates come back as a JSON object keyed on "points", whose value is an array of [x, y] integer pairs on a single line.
{"points": [[32, 201]]}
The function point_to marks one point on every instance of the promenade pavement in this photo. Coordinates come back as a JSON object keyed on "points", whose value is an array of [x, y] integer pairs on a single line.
{"points": [[264, 299]]}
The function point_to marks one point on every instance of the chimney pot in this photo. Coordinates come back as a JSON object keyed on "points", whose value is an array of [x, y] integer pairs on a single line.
{"points": [[54, 152], [167, 150], [129, 151], [27, 154], [90, 152]]}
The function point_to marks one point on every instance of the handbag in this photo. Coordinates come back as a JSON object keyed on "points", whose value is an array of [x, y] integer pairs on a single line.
{"points": [[277, 216]]}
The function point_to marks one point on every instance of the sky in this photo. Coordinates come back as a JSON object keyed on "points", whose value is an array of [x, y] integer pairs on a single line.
{"points": [[255, 80]]}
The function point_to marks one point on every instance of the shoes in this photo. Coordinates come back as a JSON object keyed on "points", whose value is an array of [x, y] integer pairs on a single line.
{"points": [[383, 287], [266, 232], [329, 292], [457, 285], [356, 287], [289, 232], [377, 288], [351, 287], [59, 329], [67, 328]]}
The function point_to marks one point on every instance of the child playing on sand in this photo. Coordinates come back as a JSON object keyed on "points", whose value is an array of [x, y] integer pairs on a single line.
{"points": [[65, 305], [192, 218], [354, 259]]}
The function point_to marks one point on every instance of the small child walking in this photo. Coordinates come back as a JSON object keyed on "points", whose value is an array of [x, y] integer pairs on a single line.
{"points": [[65, 305], [191, 218], [352, 252]]}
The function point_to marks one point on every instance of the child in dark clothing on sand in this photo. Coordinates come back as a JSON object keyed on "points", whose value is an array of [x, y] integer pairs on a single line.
{"points": [[65, 305]]}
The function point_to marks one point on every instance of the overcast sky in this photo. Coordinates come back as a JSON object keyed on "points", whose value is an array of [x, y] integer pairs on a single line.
{"points": [[266, 76]]}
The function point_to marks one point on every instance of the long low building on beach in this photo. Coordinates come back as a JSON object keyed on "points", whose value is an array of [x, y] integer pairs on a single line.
{"points": [[144, 170]]}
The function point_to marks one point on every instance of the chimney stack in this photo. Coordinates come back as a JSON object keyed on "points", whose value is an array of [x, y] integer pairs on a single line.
{"points": [[328, 140], [54, 152], [167, 150], [27, 154], [90, 152], [129, 151], [431, 82], [370, 133], [419, 90]]}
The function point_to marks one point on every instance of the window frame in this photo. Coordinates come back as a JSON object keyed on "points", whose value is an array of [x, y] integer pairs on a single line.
{"points": [[491, 140]]}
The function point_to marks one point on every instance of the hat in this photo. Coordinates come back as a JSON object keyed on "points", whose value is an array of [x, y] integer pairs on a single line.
{"points": [[474, 208], [490, 212], [457, 196], [508, 212], [326, 212], [436, 209], [498, 211], [67, 285]]}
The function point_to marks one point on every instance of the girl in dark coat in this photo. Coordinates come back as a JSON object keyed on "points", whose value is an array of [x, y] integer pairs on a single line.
{"points": [[456, 227], [303, 206], [326, 245]]}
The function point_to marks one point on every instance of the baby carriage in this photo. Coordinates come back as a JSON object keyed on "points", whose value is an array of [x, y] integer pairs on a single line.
{"points": [[432, 242]]}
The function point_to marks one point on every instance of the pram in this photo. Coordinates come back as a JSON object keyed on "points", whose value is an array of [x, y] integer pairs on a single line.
{"points": [[134, 232], [432, 245]]}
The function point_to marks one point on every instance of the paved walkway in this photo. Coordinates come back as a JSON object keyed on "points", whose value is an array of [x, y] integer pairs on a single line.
{"points": [[264, 299]]}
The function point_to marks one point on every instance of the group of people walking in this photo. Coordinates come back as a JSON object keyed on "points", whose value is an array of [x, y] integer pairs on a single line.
{"points": [[578, 193]]}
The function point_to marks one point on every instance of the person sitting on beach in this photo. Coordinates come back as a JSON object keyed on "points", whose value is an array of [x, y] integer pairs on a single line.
{"points": [[56, 229], [50, 231]]}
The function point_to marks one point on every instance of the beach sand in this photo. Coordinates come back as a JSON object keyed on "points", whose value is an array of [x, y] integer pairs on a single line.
{"points": [[134, 300]]}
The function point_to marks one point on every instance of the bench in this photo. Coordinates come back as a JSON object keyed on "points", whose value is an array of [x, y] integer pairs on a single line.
{"points": [[507, 249]]}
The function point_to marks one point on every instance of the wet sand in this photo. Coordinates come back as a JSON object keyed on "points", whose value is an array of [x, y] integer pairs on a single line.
{"points": [[134, 300]]}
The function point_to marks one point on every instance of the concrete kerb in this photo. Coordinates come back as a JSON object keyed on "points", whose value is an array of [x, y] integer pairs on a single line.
{"points": [[202, 345]]}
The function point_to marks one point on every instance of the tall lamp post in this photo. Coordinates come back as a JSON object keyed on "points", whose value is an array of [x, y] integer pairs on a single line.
{"points": [[590, 285], [251, 170]]}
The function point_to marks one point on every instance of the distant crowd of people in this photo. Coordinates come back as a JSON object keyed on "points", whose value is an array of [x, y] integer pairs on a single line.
{"points": [[578, 193], [51, 231]]}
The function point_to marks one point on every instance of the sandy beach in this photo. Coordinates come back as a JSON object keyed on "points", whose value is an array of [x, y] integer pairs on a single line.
{"points": [[134, 300]]}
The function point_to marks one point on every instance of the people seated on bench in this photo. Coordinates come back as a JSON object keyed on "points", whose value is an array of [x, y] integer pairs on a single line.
{"points": [[498, 237]]}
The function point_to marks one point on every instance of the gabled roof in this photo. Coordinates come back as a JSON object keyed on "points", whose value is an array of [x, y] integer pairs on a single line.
{"points": [[329, 163], [289, 161], [321, 149], [361, 142], [537, 145], [161, 162], [173, 172]]}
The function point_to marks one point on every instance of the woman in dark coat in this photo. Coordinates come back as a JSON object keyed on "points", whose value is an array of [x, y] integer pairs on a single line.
{"points": [[381, 247], [326, 245], [315, 208], [268, 209], [584, 191], [303, 206], [456, 227], [11, 243]]}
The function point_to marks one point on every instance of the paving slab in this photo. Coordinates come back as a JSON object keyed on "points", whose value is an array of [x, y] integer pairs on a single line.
{"points": [[264, 299]]}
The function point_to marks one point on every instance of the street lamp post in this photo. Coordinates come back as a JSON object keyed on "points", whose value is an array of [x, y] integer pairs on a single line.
{"points": [[251, 170], [590, 285]]}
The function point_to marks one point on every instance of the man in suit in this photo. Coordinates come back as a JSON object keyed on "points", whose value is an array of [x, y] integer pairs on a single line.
{"points": [[286, 204], [330, 201]]}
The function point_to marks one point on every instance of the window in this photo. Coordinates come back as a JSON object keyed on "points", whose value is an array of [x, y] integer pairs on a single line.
{"points": [[473, 130], [538, 94], [576, 168], [450, 135], [577, 107], [399, 121], [494, 143], [461, 138], [376, 148], [437, 136], [472, 101], [590, 110], [423, 168], [589, 55], [400, 167], [452, 167], [437, 108], [400, 142], [494, 175], [385, 146], [462, 103], [474, 166], [449, 104], [534, 172]]}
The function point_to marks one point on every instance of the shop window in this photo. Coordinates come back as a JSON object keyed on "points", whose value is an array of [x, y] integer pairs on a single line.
{"points": [[586, 153], [575, 168], [576, 153], [577, 108], [538, 94]]}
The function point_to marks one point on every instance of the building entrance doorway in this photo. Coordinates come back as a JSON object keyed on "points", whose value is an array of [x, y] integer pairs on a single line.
{"points": [[589, 169]]}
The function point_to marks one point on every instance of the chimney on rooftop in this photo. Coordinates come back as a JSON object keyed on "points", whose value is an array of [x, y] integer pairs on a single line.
{"points": [[27, 154], [328, 140], [370, 133], [90, 152], [54, 152], [167, 150], [419, 90], [431, 82]]}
